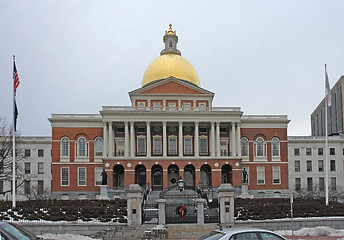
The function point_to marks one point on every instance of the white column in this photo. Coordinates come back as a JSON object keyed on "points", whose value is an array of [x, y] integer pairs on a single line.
{"points": [[164, 140], [180, 139], [196, 141], [105, 139], [218, 152], [110, 139], [238, 139], [149, 142], [212, 139], [164, 105], [126, 139], [132, 140], [233, 148]]}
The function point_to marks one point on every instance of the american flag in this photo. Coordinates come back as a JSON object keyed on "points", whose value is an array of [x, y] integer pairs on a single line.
{"points": [[15, 78]]}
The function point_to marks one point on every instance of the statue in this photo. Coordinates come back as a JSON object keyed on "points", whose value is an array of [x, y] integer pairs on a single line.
{"points": [[244, 176], [104, 177]]}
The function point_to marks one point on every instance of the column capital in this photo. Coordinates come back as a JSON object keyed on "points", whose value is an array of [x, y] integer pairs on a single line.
{"points": [[180, 123], [148, 123], [212, 123], [164, 123], [126, 123], [218, 123], [196, 122], [132, 123]]}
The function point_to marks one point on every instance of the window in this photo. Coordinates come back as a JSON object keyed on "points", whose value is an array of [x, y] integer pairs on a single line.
{"points": [[260, 147], [203, 146], [320, 151], [120, 148], [41, 168], [333, 165], [98, 178], [141, 146], [261, 175], [275, 147], [82, 176], [203, 130], [172, 106], [309, 184], [309, 166], [120, 130], [321, 165], [244, 147], [297, 166], [296, 151], [1, 185], [98, 147], [157, 148], [82, 147], [223, 147], [333, 184], [141, 104], [40, 153], [27, 152], [187, 106], [297, 184], [202, 106], [64, 176], [172, 145], [276, 175], [27, 187], [321, 184], [156, 105], [332, 151], [223, 130], [308, 151], [40, 189], [64, 147], [27, 168], [188, 145], [141, 130]]}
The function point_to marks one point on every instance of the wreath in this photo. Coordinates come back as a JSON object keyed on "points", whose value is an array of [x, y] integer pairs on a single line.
{"points": [[181, 211]]}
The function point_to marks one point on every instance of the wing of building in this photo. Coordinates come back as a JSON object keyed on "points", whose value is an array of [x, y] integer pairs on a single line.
{"points": [[170, 130]]}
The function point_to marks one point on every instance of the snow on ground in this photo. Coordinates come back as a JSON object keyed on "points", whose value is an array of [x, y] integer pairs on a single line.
{"points": [[317, 231], [51, 236]]}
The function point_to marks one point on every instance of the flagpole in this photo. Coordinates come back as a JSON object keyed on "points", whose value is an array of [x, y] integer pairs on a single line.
{"points": [[326, 137], [14, 147]]}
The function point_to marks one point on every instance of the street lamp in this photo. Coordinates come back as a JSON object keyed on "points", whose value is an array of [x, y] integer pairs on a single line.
{"points": [[180, 184]]}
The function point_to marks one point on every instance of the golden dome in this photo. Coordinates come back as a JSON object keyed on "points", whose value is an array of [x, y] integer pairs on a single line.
{"points": [[168, 65]]}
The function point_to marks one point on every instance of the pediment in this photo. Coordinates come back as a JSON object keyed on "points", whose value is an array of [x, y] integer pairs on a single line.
{"points": [[171, 86]]}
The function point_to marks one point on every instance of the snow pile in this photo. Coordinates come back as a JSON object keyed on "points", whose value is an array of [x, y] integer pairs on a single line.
{"points": [[317, 231], [51, 236]]}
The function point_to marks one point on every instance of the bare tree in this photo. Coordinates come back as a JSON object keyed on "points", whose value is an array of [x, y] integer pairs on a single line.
{"points": [[6, 158]]}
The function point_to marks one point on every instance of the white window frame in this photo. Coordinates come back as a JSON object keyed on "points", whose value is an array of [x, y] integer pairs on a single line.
{"points": [[27, 168], [64, 146], [276, 149], [120, 147], [245, 157], [202, 106], [172, 106], [82, 177], [97, 176], [187, 106], [157, 145], [206, 150], [260, 157], [260, 175], [79, 157], [224, 147], [276, 175], [172, 150], [141, 105], [156, 105], [62, 176], [98, 153], [187, 151], [138, 151]]}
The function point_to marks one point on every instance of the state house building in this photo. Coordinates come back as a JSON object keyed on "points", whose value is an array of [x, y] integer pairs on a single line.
{"points": [[171, 130]]}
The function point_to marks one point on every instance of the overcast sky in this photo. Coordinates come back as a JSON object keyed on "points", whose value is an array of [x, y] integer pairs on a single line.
{"points": [[75, 56]]}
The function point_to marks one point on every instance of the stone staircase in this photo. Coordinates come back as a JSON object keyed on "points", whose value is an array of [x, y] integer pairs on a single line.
{"points": [[143, 232]]}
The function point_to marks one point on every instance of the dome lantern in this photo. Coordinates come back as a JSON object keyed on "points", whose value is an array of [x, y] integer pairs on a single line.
{"points": [[170, 39]]}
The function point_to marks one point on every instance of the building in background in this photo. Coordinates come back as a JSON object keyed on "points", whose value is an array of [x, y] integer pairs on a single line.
{"points": [[33, 170], [335, 113], [171, 130], [307, 166]]}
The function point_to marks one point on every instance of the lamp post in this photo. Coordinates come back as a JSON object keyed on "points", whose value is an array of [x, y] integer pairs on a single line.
{"points": [[180, 183]]}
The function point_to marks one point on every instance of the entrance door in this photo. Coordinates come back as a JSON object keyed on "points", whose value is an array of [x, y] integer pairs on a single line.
{"points": [[189, 177], [140, 175], [118, 176]]}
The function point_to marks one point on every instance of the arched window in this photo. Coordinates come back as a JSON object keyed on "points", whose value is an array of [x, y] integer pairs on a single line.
{"points": [[275, 147], [244, 147], [170, 44], [64, 147], [82, 147], [98, 147], [260, 147]]}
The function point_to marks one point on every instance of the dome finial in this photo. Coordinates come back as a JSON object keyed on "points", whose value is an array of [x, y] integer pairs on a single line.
{"points": [[170, 31]]}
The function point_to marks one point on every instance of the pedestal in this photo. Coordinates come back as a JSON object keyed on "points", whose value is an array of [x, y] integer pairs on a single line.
{"points": [[244, 191], [226, 202], [103, 192], [134, 201], [162, 213], [200, 210]]}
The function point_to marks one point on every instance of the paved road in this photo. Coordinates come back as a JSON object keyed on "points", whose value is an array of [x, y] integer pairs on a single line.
{"points": [[314, 238]]}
